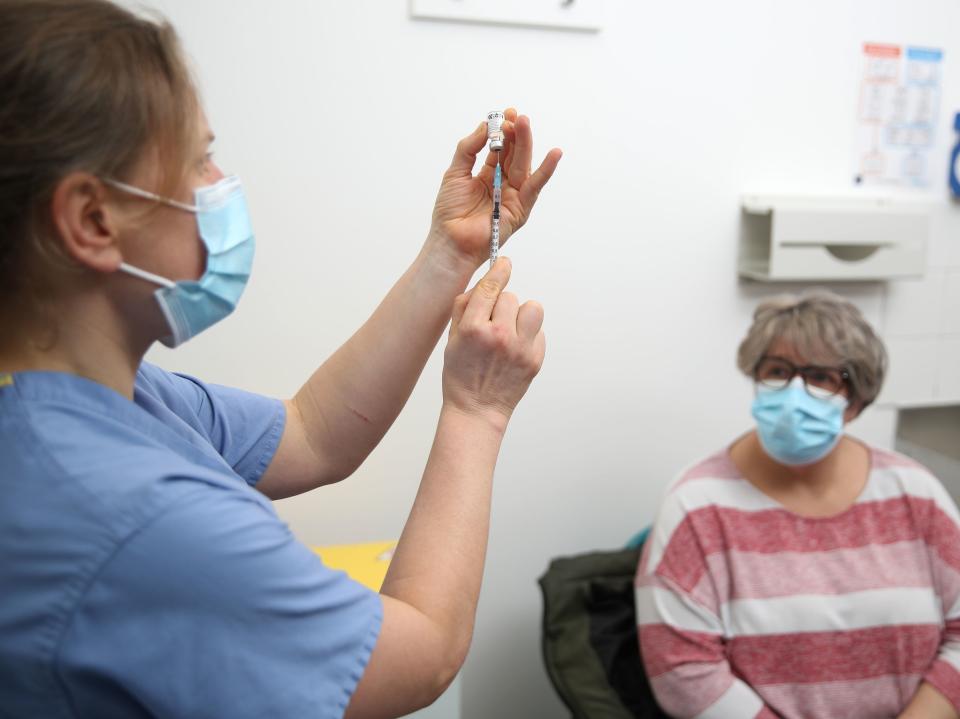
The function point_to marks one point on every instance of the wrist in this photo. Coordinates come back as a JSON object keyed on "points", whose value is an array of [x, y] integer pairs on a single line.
{"points": [[488, 422], [440, 251]]}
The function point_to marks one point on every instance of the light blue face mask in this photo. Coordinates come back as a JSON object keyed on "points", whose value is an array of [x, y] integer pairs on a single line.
{"points": [[191, 306], [796, 428]]}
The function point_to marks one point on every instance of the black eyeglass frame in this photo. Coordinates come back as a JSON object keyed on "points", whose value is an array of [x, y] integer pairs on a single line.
{"points": [[803, 371]]}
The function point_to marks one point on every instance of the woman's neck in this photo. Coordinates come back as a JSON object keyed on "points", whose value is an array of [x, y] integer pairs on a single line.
{"points": [[819, 489], [83, 339]]}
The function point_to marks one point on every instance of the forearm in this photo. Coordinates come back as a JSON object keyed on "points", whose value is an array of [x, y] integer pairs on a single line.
{"points": [[928, 703], [438, 564], [350, 401]]}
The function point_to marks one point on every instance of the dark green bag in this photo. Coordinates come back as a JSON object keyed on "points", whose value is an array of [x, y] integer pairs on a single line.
{"points": [[590, 643]]}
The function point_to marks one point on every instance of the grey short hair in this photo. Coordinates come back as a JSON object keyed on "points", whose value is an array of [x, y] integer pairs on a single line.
{"points": [[824, 327]]}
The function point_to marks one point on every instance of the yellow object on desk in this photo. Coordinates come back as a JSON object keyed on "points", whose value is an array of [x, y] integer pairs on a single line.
{"points": [[366, 563]]}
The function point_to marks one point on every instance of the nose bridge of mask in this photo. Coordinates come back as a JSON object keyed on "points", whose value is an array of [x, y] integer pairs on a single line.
{"points": [[223, 221], [219, 194], [791, 392], [797, 396]]}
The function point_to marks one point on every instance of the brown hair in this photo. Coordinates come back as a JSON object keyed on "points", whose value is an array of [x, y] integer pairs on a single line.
{"points": [[84, 86], [825, 327]]}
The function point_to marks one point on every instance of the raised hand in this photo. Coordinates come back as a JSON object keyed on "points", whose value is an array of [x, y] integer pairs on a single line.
{"points": [[461, 216]]}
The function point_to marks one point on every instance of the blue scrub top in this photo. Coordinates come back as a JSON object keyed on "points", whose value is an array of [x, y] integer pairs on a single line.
{"points": [[141, 575]]}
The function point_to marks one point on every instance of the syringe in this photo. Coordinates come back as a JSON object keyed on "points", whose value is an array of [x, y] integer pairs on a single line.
{"points": [[495, 233], [495, 137]]}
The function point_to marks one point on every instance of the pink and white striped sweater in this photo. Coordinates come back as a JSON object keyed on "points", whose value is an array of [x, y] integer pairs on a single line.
{"points": [[746, 609]]}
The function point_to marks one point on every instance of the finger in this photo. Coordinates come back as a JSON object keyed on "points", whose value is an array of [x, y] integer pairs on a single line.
{"points": [[509, 126], [531, 188], [529, 320], [522, 152], [489, 166], [539, 349], [465, 156], [459, 305], [505, 311], [509, 143], [484, 296], [486, 170]]}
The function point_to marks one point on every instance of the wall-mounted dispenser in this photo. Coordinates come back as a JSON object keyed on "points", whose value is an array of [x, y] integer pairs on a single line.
{"points": [[799, 238]]}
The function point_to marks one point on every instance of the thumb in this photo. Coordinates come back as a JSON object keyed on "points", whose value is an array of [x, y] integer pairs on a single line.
{"points": [[465, 156], [459, 306]]}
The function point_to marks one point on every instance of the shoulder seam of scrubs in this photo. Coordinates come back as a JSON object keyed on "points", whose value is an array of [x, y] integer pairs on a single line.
{"points": [[273, 437], [192, 380]]}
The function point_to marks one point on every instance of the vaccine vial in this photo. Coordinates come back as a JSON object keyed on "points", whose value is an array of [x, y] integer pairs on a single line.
{"points": [[495, 130]]}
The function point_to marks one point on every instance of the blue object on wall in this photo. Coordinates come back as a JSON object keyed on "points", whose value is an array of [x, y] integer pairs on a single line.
{"points": [[955, 161]]}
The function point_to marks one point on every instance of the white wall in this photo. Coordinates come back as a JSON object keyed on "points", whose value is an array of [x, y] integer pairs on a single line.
{"points": [[341, 117]]}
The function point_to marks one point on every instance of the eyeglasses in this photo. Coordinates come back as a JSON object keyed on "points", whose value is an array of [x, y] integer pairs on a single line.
{"points": [[822, 382]]}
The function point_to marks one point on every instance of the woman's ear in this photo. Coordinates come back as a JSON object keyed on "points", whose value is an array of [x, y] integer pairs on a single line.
{"points": [[83, 221]]}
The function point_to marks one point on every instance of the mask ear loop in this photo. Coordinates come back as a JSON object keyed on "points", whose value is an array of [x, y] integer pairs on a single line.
{"points": [[136, 271], [148, 276], [151, 196]]}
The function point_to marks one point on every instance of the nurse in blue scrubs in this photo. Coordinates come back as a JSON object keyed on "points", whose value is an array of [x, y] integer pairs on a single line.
{"points": [[143, 570]]}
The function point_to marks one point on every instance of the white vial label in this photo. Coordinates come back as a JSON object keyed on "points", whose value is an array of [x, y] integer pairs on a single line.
{"points": [[495, 130]]}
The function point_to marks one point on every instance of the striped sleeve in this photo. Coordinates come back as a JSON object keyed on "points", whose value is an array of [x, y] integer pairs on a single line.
{"points": [[680, 630], [943, 541]]}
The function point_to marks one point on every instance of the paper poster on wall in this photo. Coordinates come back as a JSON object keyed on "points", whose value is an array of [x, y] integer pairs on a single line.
{"points": [[897, 115]]}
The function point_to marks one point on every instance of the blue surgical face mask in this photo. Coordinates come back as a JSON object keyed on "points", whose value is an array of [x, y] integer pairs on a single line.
{"points": [[796, 428], [191, 306]]}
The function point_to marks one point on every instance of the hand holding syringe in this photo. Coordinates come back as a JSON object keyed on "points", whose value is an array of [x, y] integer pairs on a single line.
{"points": [[462, 226]]}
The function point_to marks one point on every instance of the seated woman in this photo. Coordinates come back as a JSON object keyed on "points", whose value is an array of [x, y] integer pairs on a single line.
{"points": [[800, 572]]}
